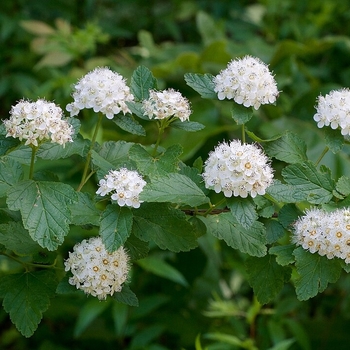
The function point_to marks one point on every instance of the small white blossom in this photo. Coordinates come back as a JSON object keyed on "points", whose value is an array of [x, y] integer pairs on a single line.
{"points": [[238, 169], [124, 186], [103, 90], [36, 121], [324, 233], [248, 81], [165, 104], [95, 270], [334, 110]]}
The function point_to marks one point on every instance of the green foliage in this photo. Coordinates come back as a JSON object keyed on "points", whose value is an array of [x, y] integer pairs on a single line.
{"points": [[227, 270]]}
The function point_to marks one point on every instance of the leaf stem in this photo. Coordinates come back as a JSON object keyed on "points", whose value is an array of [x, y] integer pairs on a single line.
{"points": [[243, 133], [26, 264], [324, 152], [213, 206], [32, 161], [86, 176]]}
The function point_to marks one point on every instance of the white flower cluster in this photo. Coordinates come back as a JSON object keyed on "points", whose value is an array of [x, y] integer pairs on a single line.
{"points": [[36, 121], [238, 169], [334, 110], [248, 81], [103, 90], [165, 104], [325, 233], [125, 186], [95, 270]]}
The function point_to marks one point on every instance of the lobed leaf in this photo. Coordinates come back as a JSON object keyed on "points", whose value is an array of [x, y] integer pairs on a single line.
{"points": [[315, 272], [84, 211], [203, 84], [115, 228], [243, 210], [166, 226], [126, 296], [187, 125], [240, 114], [129, 124], [162, 164], [266, 277], [288, 148], [16, 238], [142, 80], [27, 297], [174, 188], [284, 254], [44, 207], [10, 173], [251, 241]]}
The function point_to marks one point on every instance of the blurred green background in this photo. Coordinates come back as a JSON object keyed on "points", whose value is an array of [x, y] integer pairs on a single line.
{"points": [[201, 299]]}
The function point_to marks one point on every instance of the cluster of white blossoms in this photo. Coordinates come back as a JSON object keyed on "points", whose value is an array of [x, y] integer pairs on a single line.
{"points": [[103, 90], [95, 270], [238, 169], [325, 233], [165, 104], [36, 121], [124, 185], [248, 81], [334, 110]]}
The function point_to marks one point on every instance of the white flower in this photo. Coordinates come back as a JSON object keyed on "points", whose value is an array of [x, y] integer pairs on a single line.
{"points": [[103, 90], [248, 81], [334, 110], [237, 169], [165, 104], [36, 121], [124, 185], [95, 270], [324, 233]]}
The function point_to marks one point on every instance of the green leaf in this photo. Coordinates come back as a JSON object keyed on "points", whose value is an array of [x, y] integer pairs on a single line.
{"points": [[334, 139], [251, 241], [52, 151], [243, 209], [45, 210], [116, 224], [187, 125], [84, 211], [142, 80], [274, 231], [136, 248], [136, 108], [284, 254], [6, 143], [343, 186], [161, 268], [129, 124], [266, 277], [88, 313], [174, 188], [203, 84], [126, 296], [315, 186], [315, 272], [285, 192], [22, 154], [289, 148], [112, 155], [287, 215], [10, 173], [166, 226], [16, 238], [240, 114], [166, 162], [27, 297]]}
